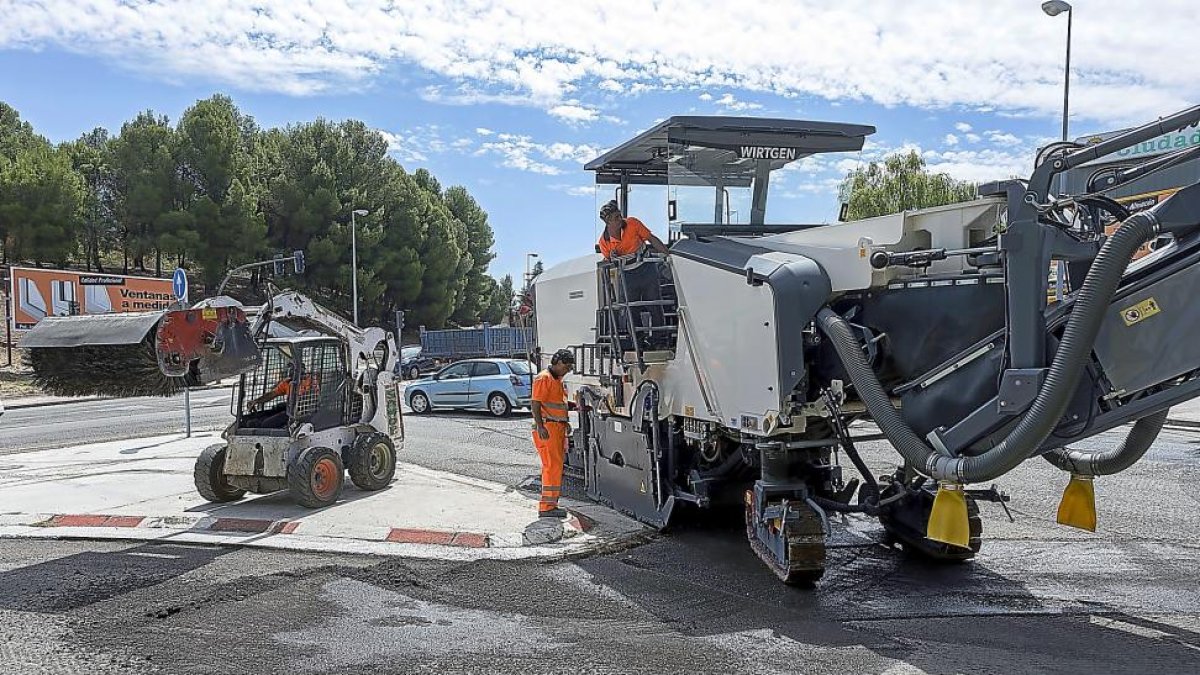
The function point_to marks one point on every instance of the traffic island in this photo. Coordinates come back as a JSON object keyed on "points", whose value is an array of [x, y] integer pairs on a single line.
{"points": [[142, 489]]}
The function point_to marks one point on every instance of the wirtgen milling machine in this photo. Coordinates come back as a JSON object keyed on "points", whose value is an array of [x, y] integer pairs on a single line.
{"points": [[737, 377]]}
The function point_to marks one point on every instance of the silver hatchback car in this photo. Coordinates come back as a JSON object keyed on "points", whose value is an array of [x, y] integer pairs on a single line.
{"points": [[494, 385]]}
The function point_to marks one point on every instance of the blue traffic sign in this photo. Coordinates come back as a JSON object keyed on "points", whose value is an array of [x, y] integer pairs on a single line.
{"points": [[179, 284]]}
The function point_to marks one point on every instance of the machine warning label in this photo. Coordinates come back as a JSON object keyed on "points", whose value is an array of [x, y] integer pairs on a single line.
{"points": [[1140, 312]]}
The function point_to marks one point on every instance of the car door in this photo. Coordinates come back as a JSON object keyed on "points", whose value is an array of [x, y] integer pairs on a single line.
{"points": [[485, 378], [451, 385]]}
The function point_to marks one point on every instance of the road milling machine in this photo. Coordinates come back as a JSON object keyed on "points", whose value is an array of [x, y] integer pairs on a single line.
{"points": [[316, 395], [734, 375]]}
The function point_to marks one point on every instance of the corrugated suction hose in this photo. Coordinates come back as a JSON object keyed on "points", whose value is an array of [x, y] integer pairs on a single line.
{"points": [[1043, 416]]}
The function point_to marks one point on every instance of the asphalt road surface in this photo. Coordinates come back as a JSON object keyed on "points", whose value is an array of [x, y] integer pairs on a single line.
{"points": [[1040, 597]]}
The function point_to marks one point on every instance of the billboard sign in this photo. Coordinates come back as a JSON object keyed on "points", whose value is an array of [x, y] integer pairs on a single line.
{"points": [[1160, 145], [38, 293]]}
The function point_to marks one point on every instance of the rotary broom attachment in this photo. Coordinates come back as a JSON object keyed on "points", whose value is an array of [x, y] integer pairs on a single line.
{"points": [[139, 354]]}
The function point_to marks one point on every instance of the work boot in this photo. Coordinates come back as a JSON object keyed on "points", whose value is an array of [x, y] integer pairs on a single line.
{"points": [[553, 513]]}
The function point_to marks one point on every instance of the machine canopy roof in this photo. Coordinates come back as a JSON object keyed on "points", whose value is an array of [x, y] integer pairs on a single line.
{"points": [[729, 146]]}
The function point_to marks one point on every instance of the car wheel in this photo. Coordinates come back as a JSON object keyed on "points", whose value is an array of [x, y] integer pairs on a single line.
{"points": [[414, 373], [498, 405], [419, 403]]}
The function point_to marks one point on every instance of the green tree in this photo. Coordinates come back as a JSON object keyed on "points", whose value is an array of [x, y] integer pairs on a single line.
{"points": [[41, 200], [477, 289], [91, 156], [223, 225], [150, 198], [499, 301], [901, 182], [411, 249]]}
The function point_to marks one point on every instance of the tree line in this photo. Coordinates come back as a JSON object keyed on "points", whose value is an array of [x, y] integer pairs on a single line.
{"points": [[214, 190]]}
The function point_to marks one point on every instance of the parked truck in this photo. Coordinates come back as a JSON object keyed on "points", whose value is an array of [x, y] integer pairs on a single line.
{"points": [[442, 347]]}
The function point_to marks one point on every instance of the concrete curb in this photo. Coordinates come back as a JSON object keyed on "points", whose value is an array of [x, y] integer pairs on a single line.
{"points": [[18, 405], [135, 527]]}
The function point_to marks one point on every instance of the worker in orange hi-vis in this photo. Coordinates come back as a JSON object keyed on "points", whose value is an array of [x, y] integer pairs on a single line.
{"points": [[550, 427]]}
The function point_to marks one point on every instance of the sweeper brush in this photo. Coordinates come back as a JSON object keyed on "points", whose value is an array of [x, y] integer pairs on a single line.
{"points": [[142, 354]]}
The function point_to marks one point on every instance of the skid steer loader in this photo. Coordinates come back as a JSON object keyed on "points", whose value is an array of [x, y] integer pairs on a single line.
{"points": [[735, 379], [328, 401]]}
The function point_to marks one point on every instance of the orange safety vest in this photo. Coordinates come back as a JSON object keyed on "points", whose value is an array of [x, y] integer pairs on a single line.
{"points": [[552, 394], [634, 233], [285, 386]]}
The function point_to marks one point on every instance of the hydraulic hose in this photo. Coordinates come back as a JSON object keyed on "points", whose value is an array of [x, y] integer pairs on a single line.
{"points": [[1051, 402], [1107, 462]]}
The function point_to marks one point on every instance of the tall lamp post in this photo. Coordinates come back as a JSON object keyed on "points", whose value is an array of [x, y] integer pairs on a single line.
{"points": [[354, 259], [529, 269], [1054, 8]]}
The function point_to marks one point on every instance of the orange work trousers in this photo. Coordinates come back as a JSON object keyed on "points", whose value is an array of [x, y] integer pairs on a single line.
{"points": [[553, 452]]}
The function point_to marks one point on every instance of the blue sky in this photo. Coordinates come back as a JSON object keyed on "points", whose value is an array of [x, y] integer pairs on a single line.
{"points": [[510, 99]]}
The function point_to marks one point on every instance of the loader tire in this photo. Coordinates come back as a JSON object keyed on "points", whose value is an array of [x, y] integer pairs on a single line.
{"points": [[371, 461], [209, 475], [315, 477]]}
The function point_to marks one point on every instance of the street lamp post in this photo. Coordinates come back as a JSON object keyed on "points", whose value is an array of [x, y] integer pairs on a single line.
{"points": [[529, 269], [354, 259], [1054, 8]]}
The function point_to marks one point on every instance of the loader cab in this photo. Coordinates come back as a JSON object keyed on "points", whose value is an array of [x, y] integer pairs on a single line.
{"points": [[716, 174], [298, 381]]}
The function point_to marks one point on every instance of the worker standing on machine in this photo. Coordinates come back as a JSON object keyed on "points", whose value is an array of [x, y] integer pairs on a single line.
{"points": [[625, 237], [550, 427]]}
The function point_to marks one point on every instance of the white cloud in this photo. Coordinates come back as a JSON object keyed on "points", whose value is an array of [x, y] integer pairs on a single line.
{"points": [[730, 103], [974, 138], [950, 139], [706, 96], [414, 145], [576, 190], [574, 113], [962, 127], [483, 131], [1002, 138], [518, 151], [979, 166], [931, 55]]}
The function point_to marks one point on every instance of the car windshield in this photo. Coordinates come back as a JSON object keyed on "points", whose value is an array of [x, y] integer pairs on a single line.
{"points": [[520, 367], [410, 352]]}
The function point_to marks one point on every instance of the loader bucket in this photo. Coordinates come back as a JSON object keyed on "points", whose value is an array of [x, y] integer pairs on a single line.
{"points": [[216, 340], [100, 354]]}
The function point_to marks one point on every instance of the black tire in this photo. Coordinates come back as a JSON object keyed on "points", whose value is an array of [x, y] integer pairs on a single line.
{"points": [[209, 475], [421, 406], [371, 461], [315, 477], [414, 373], [499, 405]]}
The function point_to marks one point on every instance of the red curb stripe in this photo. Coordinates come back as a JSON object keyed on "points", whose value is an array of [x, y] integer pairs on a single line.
{"points": [[581, 523], [124, 521], [78, 521], [241, 525], [469, 540], [404, 536], [288, 527]]}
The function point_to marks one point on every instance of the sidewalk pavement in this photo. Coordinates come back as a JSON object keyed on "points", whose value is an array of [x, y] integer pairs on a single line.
{"points": [[142, 489], [1185, 415]]}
